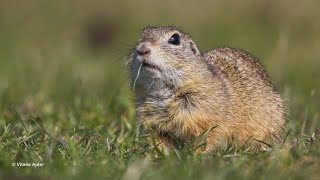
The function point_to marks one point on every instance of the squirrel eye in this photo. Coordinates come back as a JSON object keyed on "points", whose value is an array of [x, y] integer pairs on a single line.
{"points": [[174, 39]]}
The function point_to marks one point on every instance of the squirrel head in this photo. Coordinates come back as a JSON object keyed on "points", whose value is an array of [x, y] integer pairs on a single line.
{"points": [[164, 56]]}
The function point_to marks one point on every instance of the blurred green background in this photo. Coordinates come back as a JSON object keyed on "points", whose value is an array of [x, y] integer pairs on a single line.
{"points": [[63, 60], [59, 48]]}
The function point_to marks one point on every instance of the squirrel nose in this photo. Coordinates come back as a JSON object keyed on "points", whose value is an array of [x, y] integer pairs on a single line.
{"points": [[143, 49]]}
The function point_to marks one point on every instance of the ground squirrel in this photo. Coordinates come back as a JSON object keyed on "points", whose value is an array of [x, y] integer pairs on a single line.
{"points": [[183, 92]]}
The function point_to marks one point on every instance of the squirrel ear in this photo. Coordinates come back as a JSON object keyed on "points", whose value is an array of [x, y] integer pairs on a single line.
{"points": [[194, 48]]}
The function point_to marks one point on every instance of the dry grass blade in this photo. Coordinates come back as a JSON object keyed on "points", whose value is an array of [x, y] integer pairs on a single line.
{"points": [[42, 128], [19, 117], [265, 143], [135, 80]]}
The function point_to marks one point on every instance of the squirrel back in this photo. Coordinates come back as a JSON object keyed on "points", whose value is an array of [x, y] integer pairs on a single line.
{"points": [[258, 110]]}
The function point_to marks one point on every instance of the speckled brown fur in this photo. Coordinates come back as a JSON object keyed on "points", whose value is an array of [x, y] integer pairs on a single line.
{"points": [[183, 92]]}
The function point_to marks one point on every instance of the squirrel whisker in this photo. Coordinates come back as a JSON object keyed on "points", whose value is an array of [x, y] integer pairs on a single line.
{"points": [[150, 85]]}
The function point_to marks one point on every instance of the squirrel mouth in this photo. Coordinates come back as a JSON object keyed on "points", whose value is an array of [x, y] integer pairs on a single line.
{"points": [[149, 66]]}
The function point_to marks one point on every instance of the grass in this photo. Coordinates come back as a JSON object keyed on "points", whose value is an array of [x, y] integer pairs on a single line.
{"points": [[65, 99]]}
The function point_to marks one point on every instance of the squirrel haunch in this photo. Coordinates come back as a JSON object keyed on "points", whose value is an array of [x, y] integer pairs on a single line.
{"points": [[183, 92]]}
